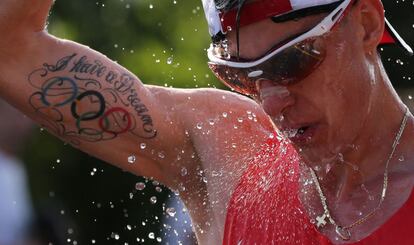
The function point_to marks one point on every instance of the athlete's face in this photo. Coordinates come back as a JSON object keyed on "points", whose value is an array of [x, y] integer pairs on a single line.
{"points": [[324, 112]]}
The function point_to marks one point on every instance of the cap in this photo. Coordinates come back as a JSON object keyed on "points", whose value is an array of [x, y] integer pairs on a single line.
{"points": [[221, 22]]}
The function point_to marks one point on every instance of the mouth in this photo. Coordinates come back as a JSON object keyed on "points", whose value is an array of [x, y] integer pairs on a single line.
{"points": [[299, 135]]}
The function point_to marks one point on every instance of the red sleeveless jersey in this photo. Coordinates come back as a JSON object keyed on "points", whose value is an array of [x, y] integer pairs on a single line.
{"points": [[265, 207]]}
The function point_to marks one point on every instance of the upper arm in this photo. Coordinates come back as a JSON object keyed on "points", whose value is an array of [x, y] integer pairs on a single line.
{"points": [[101, 108], [225, 128]]}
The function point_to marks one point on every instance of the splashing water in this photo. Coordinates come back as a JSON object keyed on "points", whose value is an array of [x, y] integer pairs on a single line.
{"points": [[132, 159], [153, 200], [171, 211], [184, 171], [140, 186]]}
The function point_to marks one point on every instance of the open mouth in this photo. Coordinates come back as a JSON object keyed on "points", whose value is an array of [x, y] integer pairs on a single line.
{"points": [[294, 132], [299, 135]]}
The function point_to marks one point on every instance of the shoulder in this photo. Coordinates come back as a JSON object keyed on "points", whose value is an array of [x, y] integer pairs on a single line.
{"points": [[218, 110]]}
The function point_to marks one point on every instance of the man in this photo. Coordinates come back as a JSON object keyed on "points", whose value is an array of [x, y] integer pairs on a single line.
{"points": [[313, 87]]}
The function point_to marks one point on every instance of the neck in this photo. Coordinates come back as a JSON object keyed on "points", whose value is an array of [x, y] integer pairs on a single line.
{"points": [[365, 163]]}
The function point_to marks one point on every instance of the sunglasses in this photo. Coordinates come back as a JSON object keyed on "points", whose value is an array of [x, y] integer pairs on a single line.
{"points": [[285, 64]]}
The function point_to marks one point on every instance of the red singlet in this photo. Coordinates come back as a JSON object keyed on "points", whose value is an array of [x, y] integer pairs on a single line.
{"points": [[265, 207]]}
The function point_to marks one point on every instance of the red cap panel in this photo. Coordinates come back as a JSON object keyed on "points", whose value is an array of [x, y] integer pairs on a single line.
{"points": [[254, 12]]}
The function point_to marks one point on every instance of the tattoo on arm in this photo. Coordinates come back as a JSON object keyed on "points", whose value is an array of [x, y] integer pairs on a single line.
{"points": [[74, 86]]}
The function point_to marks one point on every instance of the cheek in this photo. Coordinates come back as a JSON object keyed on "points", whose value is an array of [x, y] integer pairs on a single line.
{"points": [[345, 94]]}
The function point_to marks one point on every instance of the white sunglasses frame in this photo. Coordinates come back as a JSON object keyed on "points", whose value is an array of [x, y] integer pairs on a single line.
{"points": [[322, 28]]}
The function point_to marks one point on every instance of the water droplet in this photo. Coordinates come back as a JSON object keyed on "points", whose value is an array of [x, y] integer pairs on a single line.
{"points": [[184, 171], [129, 227], [398, 61], [225, 114], [171, 211], [181, 187], [158, 189], [401, 158], [58, 160], [170, 60], [161, 155], [116, 236], [151, 6], [143, 146], [280, 118], [240, 119], [153, 200], [140, 186], [151, 235], [131, 195], [159, 239], [132, 159], [211, 122], [199, 126]]}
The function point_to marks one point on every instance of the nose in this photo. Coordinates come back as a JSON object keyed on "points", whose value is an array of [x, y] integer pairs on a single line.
{"points": [[274, 98]]}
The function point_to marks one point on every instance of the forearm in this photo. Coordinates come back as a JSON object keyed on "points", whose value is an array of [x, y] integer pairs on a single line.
{"points": [[50, 76]]}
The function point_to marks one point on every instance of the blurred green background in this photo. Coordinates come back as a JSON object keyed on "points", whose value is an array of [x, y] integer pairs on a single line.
{"points": [[164, 43]]}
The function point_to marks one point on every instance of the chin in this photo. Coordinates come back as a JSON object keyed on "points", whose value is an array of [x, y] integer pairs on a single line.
{"points": [[316, 155]]}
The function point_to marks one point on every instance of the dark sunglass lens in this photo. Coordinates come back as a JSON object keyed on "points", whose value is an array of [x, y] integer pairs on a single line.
{"points": [[234, 78], [294, 63], [291, 65]]}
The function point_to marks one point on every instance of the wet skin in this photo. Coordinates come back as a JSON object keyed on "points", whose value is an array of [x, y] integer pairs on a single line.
{"points": [[347, 109], [338, 98]]}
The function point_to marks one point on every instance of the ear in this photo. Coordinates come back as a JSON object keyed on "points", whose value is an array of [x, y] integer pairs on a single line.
{"points": [[370, 16]]}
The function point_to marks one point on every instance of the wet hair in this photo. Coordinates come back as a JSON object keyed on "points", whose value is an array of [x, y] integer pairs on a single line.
{"points": [[226, 5]]}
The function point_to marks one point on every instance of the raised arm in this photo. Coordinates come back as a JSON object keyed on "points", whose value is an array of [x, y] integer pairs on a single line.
{"points": [[101, 108], [83, 97]]}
